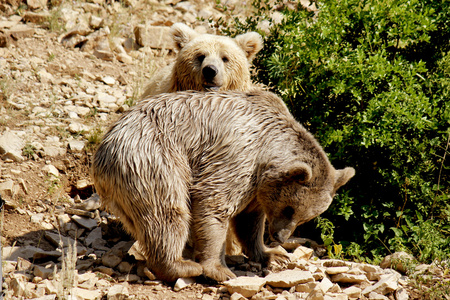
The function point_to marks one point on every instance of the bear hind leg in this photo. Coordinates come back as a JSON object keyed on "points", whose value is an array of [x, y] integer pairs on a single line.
{"points": [[165, 244]]}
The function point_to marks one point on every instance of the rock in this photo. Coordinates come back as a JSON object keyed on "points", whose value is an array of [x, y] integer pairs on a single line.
{"points": [[288, 278], [51, 170], [36, 17], [11, 146], [76, 146], [337, 270], [329, 263], [18, 285], [376, 296], [111, 259], [86, 294], [36, 4], [325, 285], [157, 37], [108, 80], [87, 223], [353, 292], [399, 261], [117, 292], [104, 55], [8, 188], [149, 274], [10, 266], [302, 253], [316, 294], [43, 272], [124, 267], [306, 287], [349, 278], [27, 252], [246, 286], [236, 296], [181, 283], [386, 285], [401, 294], [83, 184], [20, 31], [92, 236]]}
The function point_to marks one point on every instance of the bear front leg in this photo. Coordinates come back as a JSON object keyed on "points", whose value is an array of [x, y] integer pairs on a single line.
{"points": [[210, 234], [249, 229]]}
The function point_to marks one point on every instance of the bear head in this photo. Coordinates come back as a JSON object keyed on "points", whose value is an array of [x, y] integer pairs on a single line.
{"points": [[296, 192], [211, 62]]}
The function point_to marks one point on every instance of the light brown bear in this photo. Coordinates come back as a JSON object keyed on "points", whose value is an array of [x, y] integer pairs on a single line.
{"points": [[207, 62], [203, 162]]}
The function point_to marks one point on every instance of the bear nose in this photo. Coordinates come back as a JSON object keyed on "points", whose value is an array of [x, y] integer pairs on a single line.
{"points": [[209, 72]]}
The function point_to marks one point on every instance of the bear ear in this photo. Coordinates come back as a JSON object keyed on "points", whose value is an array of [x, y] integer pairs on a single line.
{"points": [[343, 176], [296, 171], [182, 34], [251, 43]]}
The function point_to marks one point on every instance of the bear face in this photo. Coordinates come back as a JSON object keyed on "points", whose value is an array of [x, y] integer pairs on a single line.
{"points": [[295, 193], [207, 62], [211, 62]]}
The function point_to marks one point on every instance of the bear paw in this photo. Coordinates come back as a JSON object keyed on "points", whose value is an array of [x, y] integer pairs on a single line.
{"points": [[277, 255], [178, 269], [218, 272]]}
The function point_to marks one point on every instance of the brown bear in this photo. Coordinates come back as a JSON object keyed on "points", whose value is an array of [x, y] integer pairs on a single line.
{"points": [[202, 162], [207, 62]]}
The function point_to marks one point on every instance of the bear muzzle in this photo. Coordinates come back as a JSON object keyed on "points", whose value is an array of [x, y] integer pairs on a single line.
{"points": [[212, 81]]}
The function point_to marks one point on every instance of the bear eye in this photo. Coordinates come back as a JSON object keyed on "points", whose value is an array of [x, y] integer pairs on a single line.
{"points": [[201, 58], [288, 212], [225, 59]]}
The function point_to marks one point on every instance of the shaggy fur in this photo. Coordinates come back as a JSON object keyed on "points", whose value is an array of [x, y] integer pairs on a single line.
{"points": [[201, 162], [207, 62]]}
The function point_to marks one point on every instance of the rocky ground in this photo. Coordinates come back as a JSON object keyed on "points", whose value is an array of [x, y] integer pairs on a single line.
{"points": [[69, 69]]}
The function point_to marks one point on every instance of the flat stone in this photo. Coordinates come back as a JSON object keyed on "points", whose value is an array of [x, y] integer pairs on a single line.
{"points": [[7, 188], [51, 170], [76, 146], [27, 252], [12, 144], [36, 4], [108, 80], [246, 286], [43, 272], [20, 31], [86, 294], [353, 292], [117, 292], [157, 37], [325, 285], [387, 284], [111, 259], [306, 287], [336, 270], [349, 278], [302, 253], [181, 283], [376, 296], [36, 17], [288, 278], [83, 184], [401, 294], [329, 263], [92, 236], [90, 204], [87, 223]]}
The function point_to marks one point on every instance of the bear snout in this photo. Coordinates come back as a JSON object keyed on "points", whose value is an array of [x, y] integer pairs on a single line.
{"points": [[211, 79], [209, 72]]}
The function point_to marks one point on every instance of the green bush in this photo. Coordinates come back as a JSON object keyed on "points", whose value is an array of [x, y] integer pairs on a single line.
{"points": [[371, 80]]}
